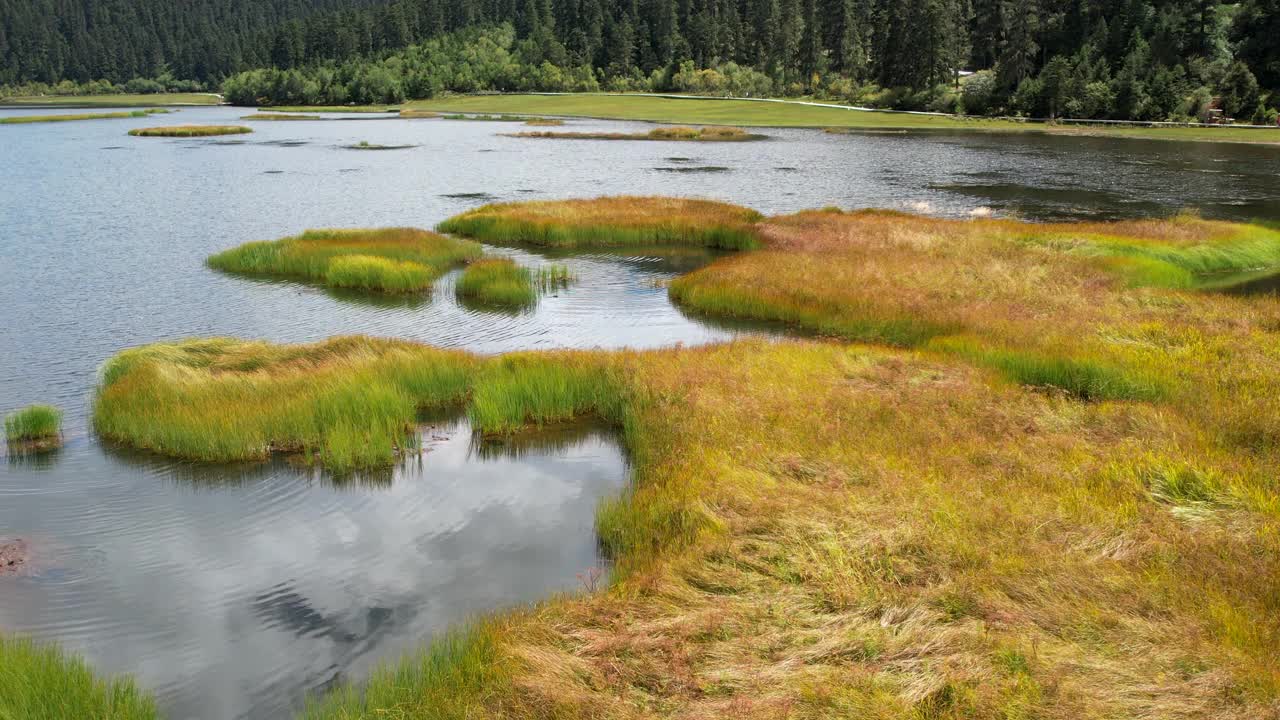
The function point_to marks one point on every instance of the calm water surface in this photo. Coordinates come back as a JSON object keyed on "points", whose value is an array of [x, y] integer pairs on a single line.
{"points": [[232, 591]]}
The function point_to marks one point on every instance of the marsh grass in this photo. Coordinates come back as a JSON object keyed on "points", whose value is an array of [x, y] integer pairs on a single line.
{"points": [[489, 118], [279, 116], [610, 221], [39, 682], [409, 114], [551, 278], [388, 260], [499, 282], [544, 122], [366, 145], [706, 134], [333, 108], [190, 131], [20, 119], [35, 422]]}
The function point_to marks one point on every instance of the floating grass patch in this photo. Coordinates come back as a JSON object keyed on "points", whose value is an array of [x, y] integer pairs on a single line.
{"points": [[706, 134], [190, 131], [20, 119], [35, 422], [40, 682], [499, 282], [279, 116], [366, 145], [611, 221], [544, 122], [489, 118], [410, 114], [333, 108], [390, 260]]}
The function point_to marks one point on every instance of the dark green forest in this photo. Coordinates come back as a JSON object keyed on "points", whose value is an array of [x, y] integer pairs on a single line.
{"points": [[1125, 59]]}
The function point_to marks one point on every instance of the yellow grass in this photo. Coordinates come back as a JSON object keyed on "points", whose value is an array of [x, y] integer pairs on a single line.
{"points": [[822, 529], [190, 131]]}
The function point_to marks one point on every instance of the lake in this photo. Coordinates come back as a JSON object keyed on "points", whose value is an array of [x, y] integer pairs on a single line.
{"points": [[233, 591]]}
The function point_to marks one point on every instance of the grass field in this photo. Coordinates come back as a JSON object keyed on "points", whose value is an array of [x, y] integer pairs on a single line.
{"points": [[775, 114], [1042, 487], [90, 101]]}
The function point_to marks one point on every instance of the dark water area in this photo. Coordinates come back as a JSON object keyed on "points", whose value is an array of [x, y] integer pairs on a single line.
{"points": [[233, 590]]}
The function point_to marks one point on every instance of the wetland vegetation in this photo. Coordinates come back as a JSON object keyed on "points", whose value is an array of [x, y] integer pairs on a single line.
{"points": [[499, 282], [33, 428], [366, 145], [280, 116], [706, 134], [610, 221], [182, 131], [20, 119], [1038, 484], [40, 682], [384, 260]]}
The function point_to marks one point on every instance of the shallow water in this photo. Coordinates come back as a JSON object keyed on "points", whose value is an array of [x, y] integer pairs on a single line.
{"points": [[233, 590]]}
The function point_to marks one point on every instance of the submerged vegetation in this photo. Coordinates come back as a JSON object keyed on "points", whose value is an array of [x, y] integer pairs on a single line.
{"points": [[498, 281], [389, 260], [190, 131], [610, 221], [22, 119], [39, 682], [706, 134]]}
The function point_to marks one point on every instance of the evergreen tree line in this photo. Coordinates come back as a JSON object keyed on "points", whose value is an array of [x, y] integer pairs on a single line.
{"points": [[1126, 59]]}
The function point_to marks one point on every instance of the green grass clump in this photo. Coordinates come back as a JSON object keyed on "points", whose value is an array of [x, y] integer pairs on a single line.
{"points": [[190, 131], [553, 277], [707, 134], [611, 221], [368, 272], [19, 119], [36, 422], [391, 260], [279, 116], [39, 682], [498, 281], [452, 678], [1081, 377]]}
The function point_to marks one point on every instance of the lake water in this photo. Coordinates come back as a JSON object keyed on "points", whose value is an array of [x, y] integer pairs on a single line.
{"points": [[232, 591]]}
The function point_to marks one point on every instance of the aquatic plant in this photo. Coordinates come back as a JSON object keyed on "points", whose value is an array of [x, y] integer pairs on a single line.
{"points": [[279, 116], [371, 109], [40, 682], [497, 281], [706, 134], [553, 277], [34, 422], [410, 114], [544, 122], [190, 131], [366, 145], [610, 221], [20, 119], [391, 260], [488, 118]]}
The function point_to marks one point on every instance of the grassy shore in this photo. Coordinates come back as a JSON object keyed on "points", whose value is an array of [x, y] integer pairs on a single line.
{"points": [[1040, 486], [687, 134], [183, 131], [91, 101], [21, 119], [279, 116], [498, 281], [334, 108], [779, 114], [41, 683], [385, 260], [626, 220]]}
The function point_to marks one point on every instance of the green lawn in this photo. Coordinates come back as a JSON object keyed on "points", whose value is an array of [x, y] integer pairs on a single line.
{"points": [[776, 114], [89, 101]]}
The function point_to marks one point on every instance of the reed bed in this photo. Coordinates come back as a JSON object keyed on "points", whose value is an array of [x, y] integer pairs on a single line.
{"points": [[498, 281], [34, 422], [39, 682], [1056, 501], [280, 116], [20, 119], [544, 122], [610, 221], [388, 260], [489, 118], [705, 134], [410, 114], [190, 131]]}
